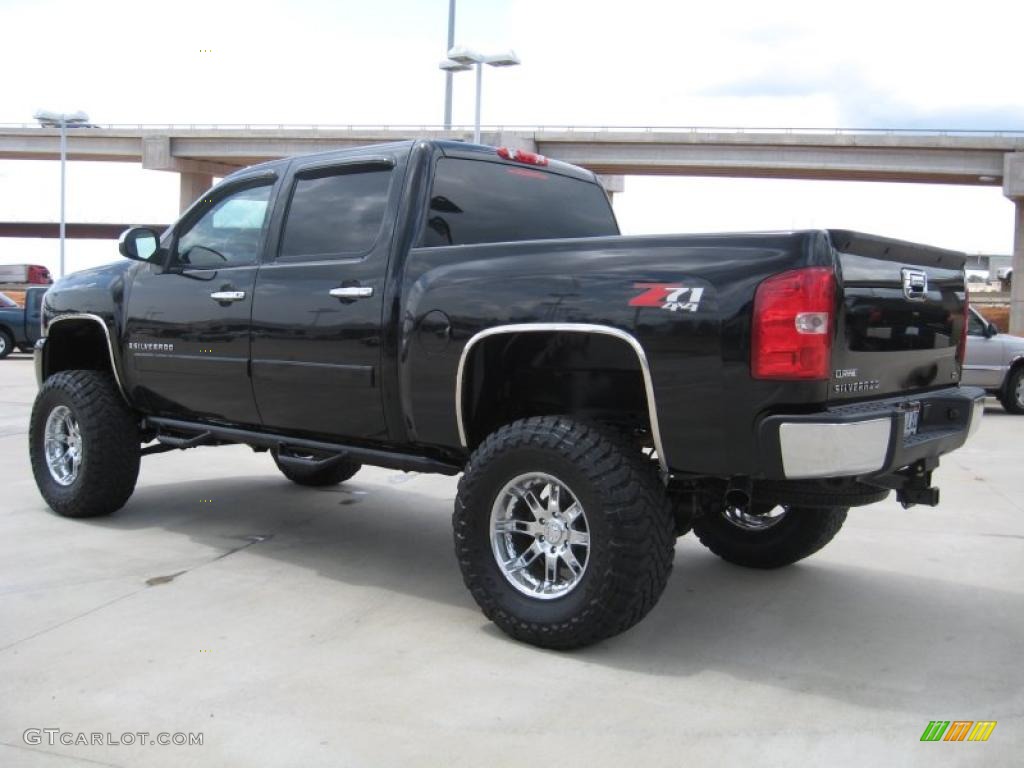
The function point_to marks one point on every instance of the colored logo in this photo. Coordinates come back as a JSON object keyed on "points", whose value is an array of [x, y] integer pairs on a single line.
{"points": [[958, 730], [674, 297]]}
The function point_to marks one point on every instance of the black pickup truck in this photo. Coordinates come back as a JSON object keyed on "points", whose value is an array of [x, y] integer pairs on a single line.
{"points": [[443, 307]]}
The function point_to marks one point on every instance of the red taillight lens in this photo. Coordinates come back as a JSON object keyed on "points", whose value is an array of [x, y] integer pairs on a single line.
{"points": [[792, 333], [961, 347]]}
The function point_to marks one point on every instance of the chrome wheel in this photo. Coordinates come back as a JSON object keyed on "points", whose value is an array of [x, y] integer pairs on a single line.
{"points": [[62, 444], [539, 536], [754, 522], [3, 343]]}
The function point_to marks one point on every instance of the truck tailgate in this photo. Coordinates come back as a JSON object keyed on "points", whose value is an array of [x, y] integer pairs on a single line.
{"points": [[900, 317]]}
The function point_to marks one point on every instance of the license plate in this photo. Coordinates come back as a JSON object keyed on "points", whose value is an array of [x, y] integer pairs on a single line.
{"points": [[911, 412]]}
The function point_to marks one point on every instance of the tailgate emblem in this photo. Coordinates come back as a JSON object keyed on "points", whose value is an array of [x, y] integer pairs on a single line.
{"points": [[674, 297], [915, 284]]}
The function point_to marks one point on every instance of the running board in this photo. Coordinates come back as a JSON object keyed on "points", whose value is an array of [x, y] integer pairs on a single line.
{"points": [[202, 434]]}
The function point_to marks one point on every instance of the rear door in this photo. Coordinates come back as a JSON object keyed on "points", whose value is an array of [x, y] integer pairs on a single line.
{"points": [[901, 317], [316, 326]]}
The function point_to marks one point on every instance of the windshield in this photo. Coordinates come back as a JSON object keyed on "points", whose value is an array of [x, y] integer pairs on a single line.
{"points": [[6, 302]]}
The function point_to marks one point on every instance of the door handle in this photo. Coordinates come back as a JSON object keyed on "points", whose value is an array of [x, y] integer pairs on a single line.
{"points": [[352, 292], [227, 295]]}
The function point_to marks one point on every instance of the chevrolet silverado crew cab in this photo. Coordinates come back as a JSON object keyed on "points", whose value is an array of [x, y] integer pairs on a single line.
{"points": [[443, 307]]}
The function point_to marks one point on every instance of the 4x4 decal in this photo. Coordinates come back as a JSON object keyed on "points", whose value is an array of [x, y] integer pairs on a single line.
{"points": [[675, 297]]}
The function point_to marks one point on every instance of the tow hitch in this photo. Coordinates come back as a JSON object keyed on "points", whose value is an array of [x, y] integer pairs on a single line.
{"points": [[913, 485]]}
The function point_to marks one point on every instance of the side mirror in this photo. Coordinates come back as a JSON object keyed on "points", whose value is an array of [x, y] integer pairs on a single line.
{"points": [[990, 331], [138, 243]]}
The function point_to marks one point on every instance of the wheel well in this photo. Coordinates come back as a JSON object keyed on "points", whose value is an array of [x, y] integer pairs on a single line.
{"points": [[7, 330], [513, 375], [76, 345]]}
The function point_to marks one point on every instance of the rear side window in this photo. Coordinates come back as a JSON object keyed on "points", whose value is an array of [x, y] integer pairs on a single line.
{"points": [[475, 201], [335, 213]]}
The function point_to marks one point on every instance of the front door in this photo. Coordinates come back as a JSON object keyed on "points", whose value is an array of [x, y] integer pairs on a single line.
{"points": [[985, 363], [187, 329], [316, 345]]}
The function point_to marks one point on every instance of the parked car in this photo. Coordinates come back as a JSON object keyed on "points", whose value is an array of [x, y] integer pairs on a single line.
{"points": [[995, 361], [444, 307], [20, 326], [1005, 275]]}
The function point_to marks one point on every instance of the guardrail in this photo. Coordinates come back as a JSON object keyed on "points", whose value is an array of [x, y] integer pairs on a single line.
{"points": [[424, 128]]}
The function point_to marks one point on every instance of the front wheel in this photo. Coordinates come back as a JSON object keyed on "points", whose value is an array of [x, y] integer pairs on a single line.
{"points": [[84, 444], [562, 531], [6, 344], [768, 537]]}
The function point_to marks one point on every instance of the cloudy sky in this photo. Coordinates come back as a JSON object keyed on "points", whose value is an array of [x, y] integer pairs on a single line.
{"points": [[895, 64]]}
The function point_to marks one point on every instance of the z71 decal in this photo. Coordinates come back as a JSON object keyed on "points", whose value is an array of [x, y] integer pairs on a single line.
{"points": [[675, 297]]}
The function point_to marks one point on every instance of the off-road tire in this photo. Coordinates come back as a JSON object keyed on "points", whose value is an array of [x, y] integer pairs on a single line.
{"points": [[1008, 397], [110, 444], [632, 534], [801, 533], [318, 478], [6, 343]]}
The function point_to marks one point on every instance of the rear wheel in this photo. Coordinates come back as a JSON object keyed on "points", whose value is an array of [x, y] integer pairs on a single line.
{"points": [[317, 477], [6, 344], [1012, 396], [84, 444], [562, 531], [768, 537]]}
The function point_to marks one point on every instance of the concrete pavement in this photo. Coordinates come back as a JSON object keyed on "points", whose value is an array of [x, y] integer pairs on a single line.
{"points": [[304, 627]]}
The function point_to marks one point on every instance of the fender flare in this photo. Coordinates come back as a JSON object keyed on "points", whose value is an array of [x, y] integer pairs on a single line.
{"points": [[106, 334], [606, 330]]}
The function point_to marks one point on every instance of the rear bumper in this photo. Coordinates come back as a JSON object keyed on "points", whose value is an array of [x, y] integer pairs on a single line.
{"points": [[866, 439]]}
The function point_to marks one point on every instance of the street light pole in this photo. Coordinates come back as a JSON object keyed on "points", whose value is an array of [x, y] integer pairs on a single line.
{"points": [[448, 74], [461, 59], [62, 120], [479, 92], [63, 164]]}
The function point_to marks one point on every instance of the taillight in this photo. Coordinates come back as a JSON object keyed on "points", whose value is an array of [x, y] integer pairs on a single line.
{"points": [[522, 156], [792, 332], [961, 347]]}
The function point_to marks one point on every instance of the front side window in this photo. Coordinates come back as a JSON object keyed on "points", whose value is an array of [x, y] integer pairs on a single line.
{"points": [[229, 233], [337, 212], [975, 326]]}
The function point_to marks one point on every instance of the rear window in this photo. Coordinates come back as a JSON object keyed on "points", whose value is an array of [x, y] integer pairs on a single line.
{"points": [[475, 201]]}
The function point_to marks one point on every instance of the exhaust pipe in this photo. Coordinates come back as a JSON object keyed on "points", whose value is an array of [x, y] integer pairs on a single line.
{"points": [[738, 492]]}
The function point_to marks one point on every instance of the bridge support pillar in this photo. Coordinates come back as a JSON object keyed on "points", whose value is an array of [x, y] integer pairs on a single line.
{"points": [[1013, 188], [613, 185], [192, 186]]}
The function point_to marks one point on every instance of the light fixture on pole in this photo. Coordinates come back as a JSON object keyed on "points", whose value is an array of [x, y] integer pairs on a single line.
{"points": [[61, 120], [461, 58]]}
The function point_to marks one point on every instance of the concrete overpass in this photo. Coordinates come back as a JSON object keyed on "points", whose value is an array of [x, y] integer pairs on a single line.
{"points": [[200, 152]]}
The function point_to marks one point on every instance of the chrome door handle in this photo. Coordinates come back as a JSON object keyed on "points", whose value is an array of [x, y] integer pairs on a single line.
{"points": [[227, 295], [352, 292]]}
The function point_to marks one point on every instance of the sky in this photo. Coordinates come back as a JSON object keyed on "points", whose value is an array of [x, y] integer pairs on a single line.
{"points": [[894, 64]]}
